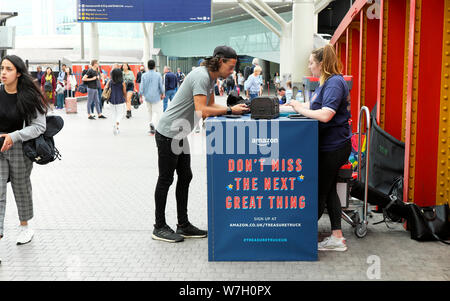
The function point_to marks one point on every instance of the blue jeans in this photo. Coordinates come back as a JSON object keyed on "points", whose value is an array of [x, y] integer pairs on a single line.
{"points": [[59, 101], [169, 96], [253, 95], [93, 100]]}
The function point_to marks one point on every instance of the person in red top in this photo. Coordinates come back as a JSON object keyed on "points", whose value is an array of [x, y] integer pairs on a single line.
{"points": [[49, 92]]}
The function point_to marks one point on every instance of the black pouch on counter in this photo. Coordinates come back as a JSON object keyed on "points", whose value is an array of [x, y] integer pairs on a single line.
{"points": [[265, 108]]}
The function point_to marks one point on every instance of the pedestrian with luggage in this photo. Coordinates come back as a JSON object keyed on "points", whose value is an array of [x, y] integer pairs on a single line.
{"points": [[70, 83], [22, 117], [329, 106], [196, 94], [151, 91]]}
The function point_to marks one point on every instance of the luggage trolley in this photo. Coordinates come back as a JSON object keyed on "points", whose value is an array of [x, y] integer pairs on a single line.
{"points": [[354, 219]]}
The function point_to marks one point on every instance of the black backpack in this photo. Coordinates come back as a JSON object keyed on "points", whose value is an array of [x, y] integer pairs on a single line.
{"points": [[135, 100], [48, 87], [42, 150]]}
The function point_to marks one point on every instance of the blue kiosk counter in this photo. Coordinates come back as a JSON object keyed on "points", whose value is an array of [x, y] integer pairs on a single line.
{"points": [[262, 189]]}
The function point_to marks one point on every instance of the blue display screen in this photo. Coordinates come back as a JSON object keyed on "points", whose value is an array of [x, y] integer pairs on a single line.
{"points": [[144, 11]]}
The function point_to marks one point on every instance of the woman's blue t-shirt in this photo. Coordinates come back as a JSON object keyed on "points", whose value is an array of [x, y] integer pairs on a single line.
{"points": [[333, 94]]}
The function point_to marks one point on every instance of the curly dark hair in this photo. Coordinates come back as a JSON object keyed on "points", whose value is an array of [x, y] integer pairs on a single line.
{"points": [[213, 63]]}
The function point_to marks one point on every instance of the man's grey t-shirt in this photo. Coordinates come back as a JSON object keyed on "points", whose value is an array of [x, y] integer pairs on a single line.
{"points": [[178, 120]]}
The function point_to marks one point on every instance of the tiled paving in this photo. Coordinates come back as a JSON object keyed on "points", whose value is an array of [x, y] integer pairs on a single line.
{"points": [[94, 215]]}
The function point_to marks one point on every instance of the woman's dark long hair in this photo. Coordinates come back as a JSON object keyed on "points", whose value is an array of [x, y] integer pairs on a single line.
{"points": [[65, 73], [29, 97], [116, 76], [128, 66]]}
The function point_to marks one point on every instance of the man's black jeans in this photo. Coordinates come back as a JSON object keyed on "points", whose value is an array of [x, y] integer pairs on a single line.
{"points": [[168, 163], [329, 165]]}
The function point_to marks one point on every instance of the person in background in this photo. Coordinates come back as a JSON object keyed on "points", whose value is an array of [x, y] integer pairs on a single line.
{"points": [[39, 74], [92, 78], [103, 80], [70, 83], [128, 78], [60, 89], [117, 98], [277, 80], [21, 102], [282, 95], [61, 74], [180, 77], [240, 80], [170, 86], [329, 105], [139, 74], [289, 92], [152, 91], [253, 85], [48, 86], [139, 77]]}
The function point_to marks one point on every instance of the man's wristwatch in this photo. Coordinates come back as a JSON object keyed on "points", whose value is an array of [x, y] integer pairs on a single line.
{"points": [[229, 111]]}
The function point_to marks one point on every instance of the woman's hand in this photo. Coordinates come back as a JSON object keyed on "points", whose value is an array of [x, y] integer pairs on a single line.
{"points": [[296, 105], [7, 144]]}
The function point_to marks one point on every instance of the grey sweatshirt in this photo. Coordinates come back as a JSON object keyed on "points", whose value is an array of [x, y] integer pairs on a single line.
{"points": [[35, 129]]}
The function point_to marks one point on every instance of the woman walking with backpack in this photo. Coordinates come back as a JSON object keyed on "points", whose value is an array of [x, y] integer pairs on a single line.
{"points": [[48, 85], [22, 117]]}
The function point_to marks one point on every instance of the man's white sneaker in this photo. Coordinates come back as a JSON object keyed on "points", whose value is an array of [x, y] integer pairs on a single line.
{"points": [[333, 243], [25, 235]]}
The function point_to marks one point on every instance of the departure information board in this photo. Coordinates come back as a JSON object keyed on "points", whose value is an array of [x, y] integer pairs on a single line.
{"points": [[144, 11]]}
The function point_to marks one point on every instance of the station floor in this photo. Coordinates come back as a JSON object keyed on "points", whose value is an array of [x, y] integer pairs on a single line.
{"points": [[94, 215]]}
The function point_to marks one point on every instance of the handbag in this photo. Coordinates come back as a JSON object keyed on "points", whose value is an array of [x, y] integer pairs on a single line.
{"points": [[106, 94], [429, 223], [82, 89]]}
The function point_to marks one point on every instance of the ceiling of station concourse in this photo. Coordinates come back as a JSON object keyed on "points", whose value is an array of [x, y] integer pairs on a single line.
{"points": [[223, 12]]}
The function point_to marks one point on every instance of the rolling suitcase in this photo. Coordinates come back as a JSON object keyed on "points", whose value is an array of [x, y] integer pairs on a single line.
{"points": [[71, 105]]}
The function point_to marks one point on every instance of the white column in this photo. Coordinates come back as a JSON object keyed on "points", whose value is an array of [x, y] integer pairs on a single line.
{"points": [[148, 29], [94, 42], [302, 37], [286, 54], [37, 17], [51, 17]]}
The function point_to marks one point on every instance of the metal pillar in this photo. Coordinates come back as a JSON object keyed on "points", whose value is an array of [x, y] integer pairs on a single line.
{"points": [[82, 40], [302, 38], [94, 42], [148, 29]]}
